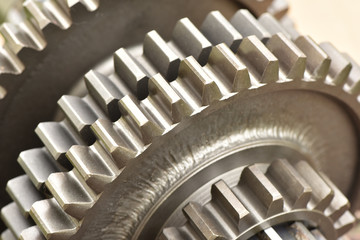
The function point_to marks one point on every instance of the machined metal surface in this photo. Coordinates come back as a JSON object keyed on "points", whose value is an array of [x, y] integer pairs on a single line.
{"points": [[170, 127]]}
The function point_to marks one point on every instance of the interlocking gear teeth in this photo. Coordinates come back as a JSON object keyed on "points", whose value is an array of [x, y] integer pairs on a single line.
{"points": [[54, 223], [137, 123], [260, 194]]}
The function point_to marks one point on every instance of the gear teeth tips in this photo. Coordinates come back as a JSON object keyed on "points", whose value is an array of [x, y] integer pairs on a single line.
{"points": [[253, 180], [95, 165], [49, 11], [294, 188], [162, 94], [322, 194], [71, 192], [54, 223], [161, 56], [105, 93], [340, 67], [260, 62], [23, 192], [292, 60], [202, 222], [14, 220], [247, 25], [219, 30], [38, 165], [58, 137], [272, 25], [82, 113], [131, 73], [318, 62], [119, 139], [32, 233], [229, 69], [21, 35], [189, 41]]}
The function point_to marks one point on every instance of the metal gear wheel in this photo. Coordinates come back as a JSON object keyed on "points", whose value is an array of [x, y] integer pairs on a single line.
{"points": [[171, 119]]}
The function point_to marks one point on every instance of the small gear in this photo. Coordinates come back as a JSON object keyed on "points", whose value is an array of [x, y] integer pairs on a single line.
{"points": [[122, 156]]}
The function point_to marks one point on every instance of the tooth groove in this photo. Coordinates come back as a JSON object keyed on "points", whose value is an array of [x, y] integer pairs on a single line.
{"points": [[14, 220], [291, 60], [23, 192], [58, 138], [219, 30], [340, 67], [161, 56], [322, 193], [54, 223], [259, 60], [49, 11], [162, 93], [190, 41], [229, 68], [94, 164], [38, 165], [71, 192], [105, 93], [318, 62], [247, 25], [296, 191]]}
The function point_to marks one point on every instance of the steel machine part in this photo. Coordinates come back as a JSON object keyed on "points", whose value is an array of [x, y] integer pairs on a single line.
{"points": [[235, 129]]}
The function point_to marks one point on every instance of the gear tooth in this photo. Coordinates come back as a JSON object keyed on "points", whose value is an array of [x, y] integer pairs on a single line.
{"points": [[278, 8], [229, 68], [119, 138], [322, 194], [353, 82], [38, 165], [292, 60], [7, 235], [196, 84], [105, 93], [190, 41], [203, 223], [253, 180], [161, 56], [32, 233], [53, 222], [344, 223], [10, 62], [257, 7], [272, 25], [81, 115], [58, 137], [23, 192], [14, 220], [221, 192], [71, 192], [163, 94], [21, 35], [294, 188], [95, 165], [340, 67], [318, 62], [131, 73], [49, 11], [339, 205], [219, 30], [261, 63], [289, 27], [247, 25], [132, 111]]}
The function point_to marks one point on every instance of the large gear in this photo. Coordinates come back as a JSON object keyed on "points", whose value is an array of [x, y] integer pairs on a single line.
{"points": [[104, 170]]}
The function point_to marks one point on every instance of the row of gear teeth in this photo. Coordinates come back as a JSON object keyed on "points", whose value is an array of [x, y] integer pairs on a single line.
{"points": [[263, 192], [146, 95], [27, 33]]}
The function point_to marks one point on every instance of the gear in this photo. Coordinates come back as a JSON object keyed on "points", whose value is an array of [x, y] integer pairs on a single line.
{"points": [[222, 100]]}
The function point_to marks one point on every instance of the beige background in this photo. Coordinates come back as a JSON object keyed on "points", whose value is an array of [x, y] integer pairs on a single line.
{"points": [[336, 21]]}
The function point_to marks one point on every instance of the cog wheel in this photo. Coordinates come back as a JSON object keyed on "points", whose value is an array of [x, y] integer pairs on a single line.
{"points": [[170, 118]]}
